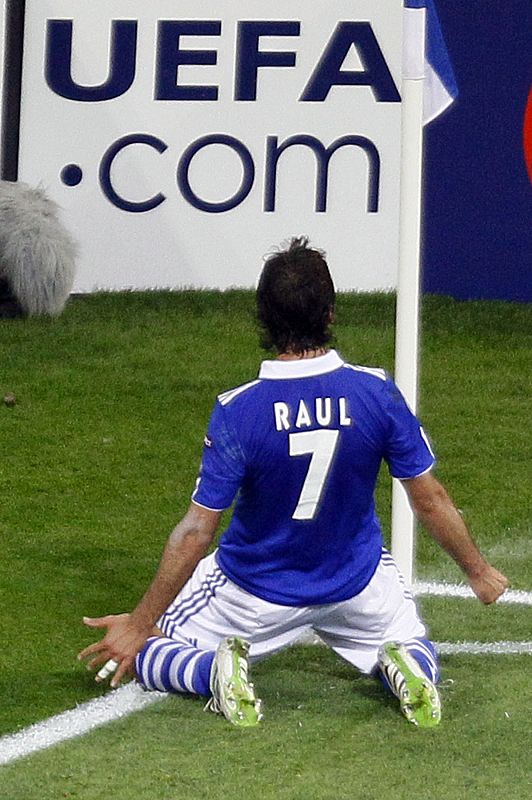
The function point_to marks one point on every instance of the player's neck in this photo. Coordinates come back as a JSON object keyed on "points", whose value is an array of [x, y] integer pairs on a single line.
{"points": [[312, 353]]}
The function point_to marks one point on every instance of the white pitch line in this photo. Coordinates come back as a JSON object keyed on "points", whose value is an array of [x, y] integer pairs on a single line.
{"points": [[511, 596], [77, 721], [130, 698], [484, 648]]}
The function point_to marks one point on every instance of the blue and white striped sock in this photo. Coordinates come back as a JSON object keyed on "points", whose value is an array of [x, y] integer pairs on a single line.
{"points": [[166, 665], [425, 654]]}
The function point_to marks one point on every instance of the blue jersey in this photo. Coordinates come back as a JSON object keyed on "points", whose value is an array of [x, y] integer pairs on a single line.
{"points": [[300, 448]]}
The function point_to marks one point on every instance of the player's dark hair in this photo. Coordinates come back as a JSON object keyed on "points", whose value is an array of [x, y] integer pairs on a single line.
{"points": [[295, 299]]}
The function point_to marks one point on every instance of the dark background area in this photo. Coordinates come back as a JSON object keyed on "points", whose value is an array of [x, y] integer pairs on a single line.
{"points": [[477, 240]]}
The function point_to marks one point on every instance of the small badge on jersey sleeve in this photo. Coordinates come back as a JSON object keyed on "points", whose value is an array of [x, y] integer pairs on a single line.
{"points": [[207, 442]]}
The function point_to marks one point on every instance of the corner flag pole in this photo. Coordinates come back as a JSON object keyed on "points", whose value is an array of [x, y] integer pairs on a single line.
{"points": [[428, 88], [408, 281]]}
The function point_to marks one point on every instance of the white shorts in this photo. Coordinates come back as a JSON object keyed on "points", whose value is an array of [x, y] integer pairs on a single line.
{"points": [[211, 607]]}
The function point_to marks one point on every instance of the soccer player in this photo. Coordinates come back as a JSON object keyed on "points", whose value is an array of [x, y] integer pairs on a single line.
{"points": [[299, 447]]}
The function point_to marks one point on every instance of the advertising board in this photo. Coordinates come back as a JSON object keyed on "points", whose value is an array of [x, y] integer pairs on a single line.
{"points": [[184, 140]]}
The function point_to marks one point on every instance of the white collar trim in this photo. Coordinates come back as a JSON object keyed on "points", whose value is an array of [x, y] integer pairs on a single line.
{"points": [[300, 368]]}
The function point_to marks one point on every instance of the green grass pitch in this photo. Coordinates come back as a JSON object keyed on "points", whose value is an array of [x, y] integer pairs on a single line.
{"points": [[97, 461]]}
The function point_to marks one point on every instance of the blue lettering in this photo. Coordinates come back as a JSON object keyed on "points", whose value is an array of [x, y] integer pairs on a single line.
{"points": [[105, 172], [249, 58], [170, 57], [58, 62], [323, 156], [247, 179], [274, 151], [329, 73]]}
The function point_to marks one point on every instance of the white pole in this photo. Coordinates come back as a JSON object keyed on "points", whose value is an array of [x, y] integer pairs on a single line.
{"points": [[408, 281]]}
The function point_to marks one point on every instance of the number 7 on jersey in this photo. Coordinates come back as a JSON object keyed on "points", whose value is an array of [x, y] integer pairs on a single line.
{"points": [[321, 445]]}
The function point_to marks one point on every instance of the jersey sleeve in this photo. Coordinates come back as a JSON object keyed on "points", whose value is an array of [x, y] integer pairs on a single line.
{"points": [[222, 464], [408, 452]]}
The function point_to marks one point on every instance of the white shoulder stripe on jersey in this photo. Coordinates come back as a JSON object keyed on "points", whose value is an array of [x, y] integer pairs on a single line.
{"points": [[226, 397], [376, 371]]}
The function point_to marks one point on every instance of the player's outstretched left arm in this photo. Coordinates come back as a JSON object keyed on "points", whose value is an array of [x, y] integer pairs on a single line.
{"points": [[127, 633], [437, 513]]}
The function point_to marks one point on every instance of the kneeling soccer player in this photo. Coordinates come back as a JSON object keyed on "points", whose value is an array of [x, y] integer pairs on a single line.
{"points": [[300, 448]]}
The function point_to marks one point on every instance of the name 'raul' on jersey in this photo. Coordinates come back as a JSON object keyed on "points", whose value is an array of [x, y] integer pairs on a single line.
{"points": [[322, 411]]}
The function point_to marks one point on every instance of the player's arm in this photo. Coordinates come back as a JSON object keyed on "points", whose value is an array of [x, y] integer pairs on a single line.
{"points": [[437, 513], [126, 633]]}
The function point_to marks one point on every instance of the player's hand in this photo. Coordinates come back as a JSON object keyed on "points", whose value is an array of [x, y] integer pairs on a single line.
{"points": [[489, 585], [120, 645]]}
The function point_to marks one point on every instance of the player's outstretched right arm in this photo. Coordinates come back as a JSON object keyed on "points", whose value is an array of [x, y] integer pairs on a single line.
{"points": [[126, 633], [437, 513]]}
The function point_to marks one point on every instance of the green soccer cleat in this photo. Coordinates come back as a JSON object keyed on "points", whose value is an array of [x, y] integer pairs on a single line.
{"points": [[232, 693], [418, 697]]}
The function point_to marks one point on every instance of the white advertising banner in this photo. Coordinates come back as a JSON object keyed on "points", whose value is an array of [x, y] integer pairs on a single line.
{"points": [[185, 139]]}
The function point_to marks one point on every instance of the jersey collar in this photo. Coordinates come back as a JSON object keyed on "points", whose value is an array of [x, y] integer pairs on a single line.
{"points": [[301, 368]]}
